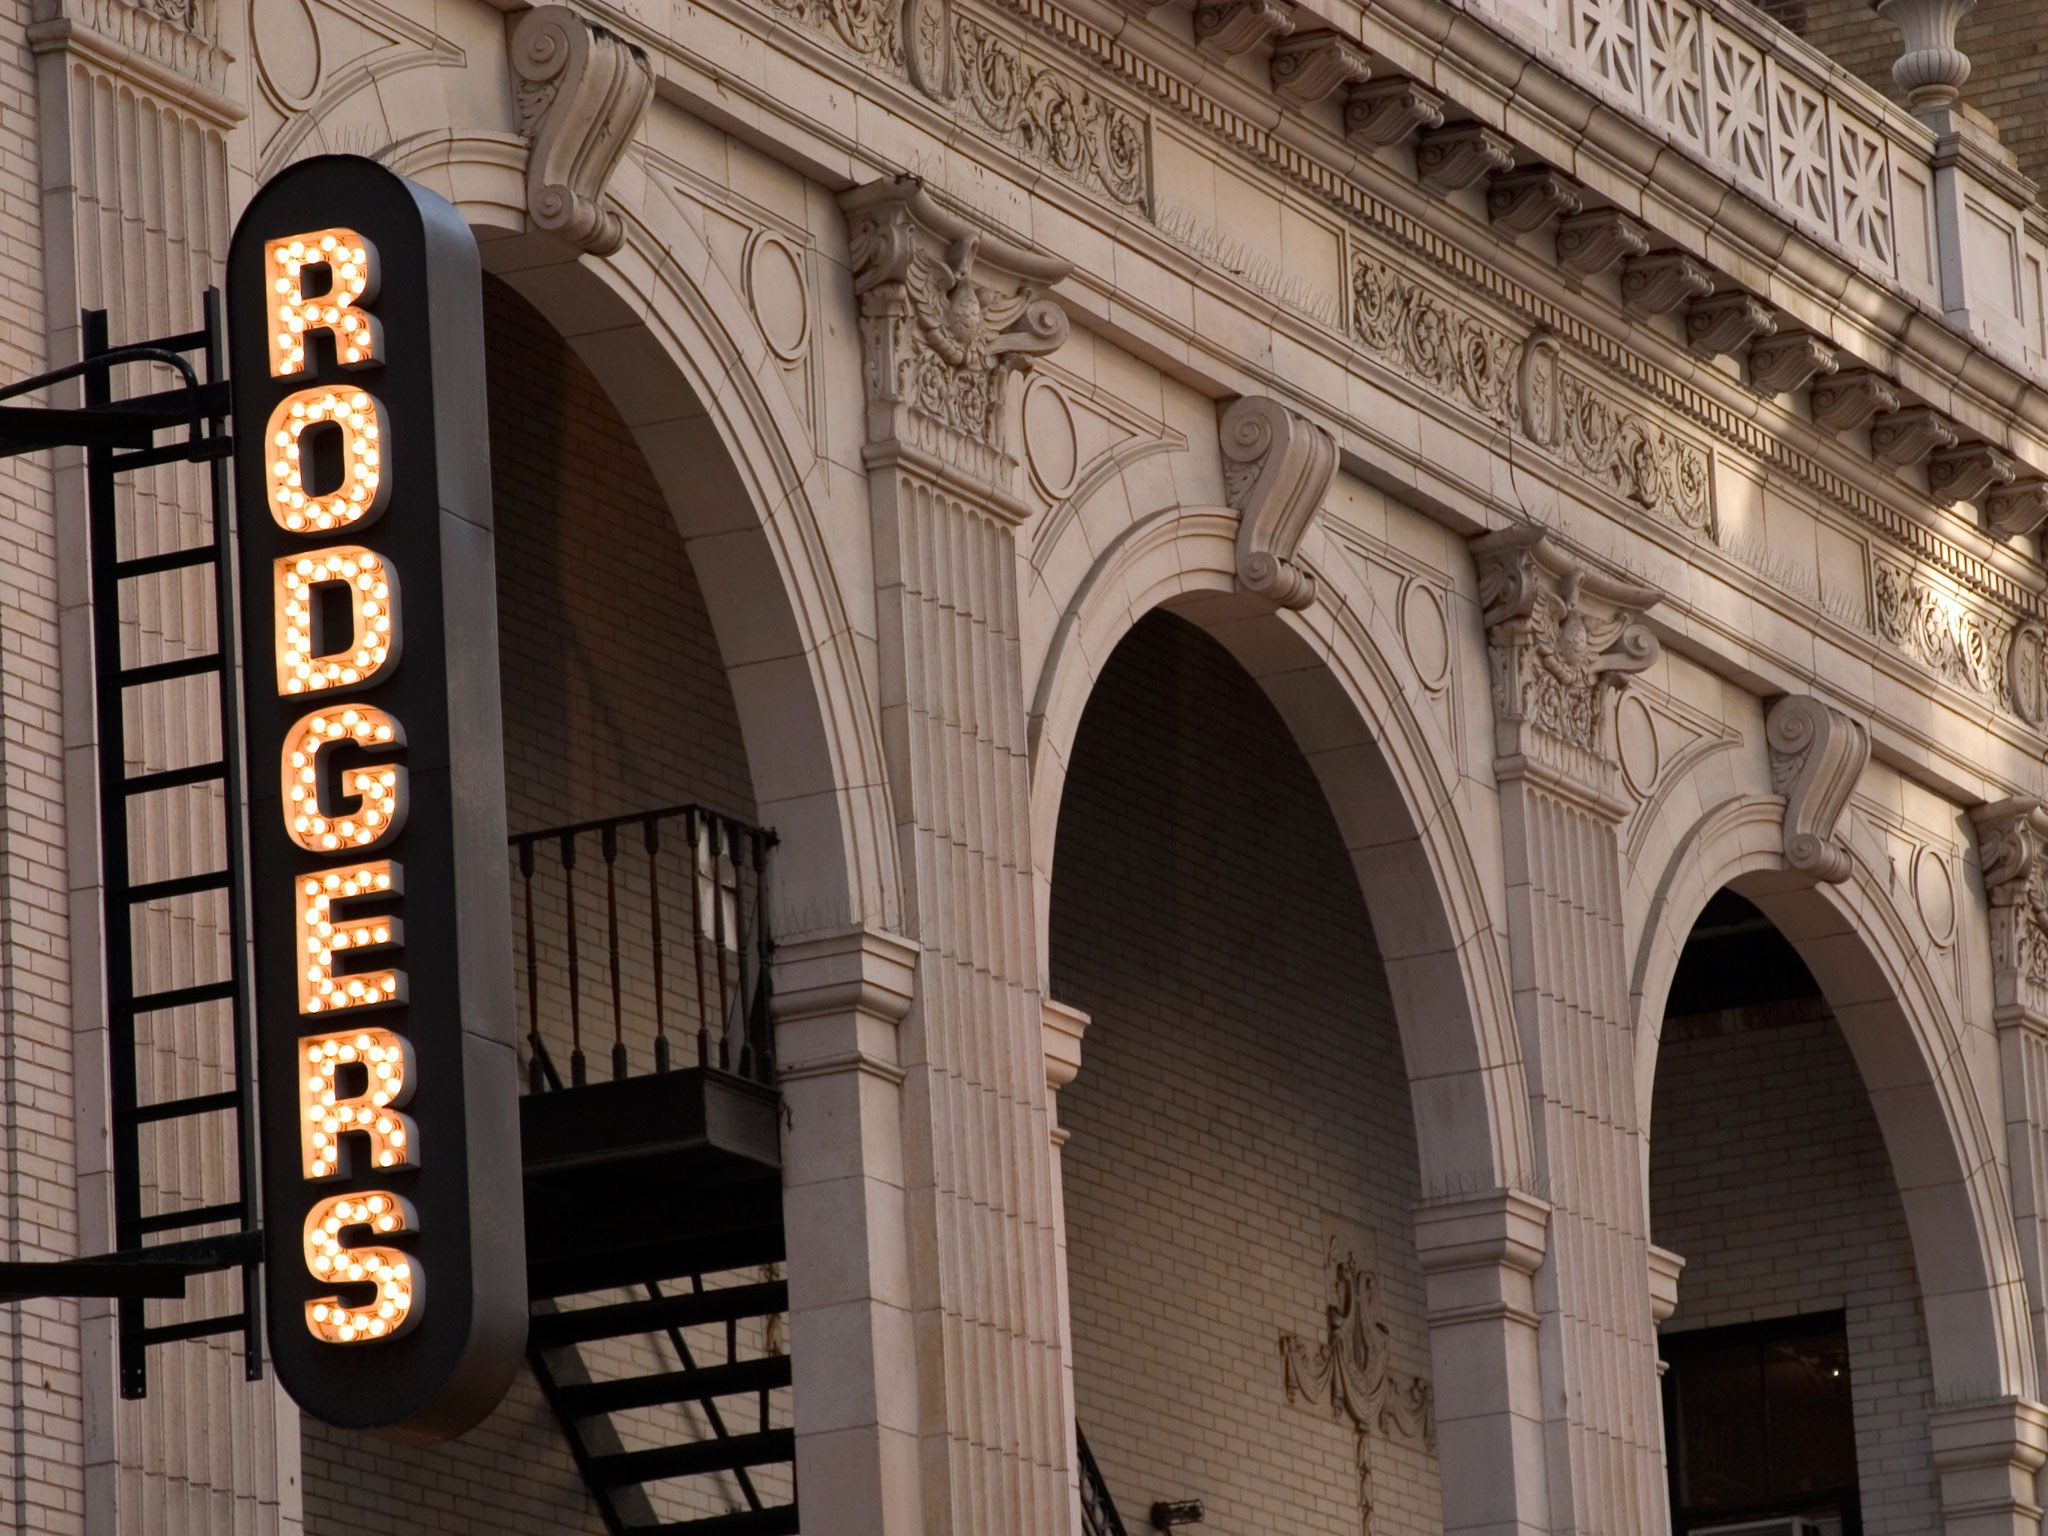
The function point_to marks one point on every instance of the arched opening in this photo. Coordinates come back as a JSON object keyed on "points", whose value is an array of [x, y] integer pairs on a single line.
{"points": [[630, 927], [1242, 1163], [1799, 1379]]}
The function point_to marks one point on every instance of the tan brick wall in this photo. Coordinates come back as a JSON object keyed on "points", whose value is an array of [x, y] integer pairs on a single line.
{"points": [[1768, 1173], [615, 701], [1241, 1078]]}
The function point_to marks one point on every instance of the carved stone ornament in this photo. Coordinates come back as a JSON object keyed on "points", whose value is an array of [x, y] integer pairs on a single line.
{"points": [[1899, 439], [1817, 753], [580, 92], [1051, 116], [1560, 638], [2016, 509], [1852, 398], [1591, 243], [1727, 323], [1656, 285], [1524, 201], [1779, 365], [1277, 471], [1307, 66], [1231, 27], [948, 314], [1349, 1368], [1933, 69], [2012, 847], [1452, 159], [1965, 473], [1388, 111]]}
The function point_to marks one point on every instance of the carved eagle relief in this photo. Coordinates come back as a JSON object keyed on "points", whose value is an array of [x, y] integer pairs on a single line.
{"points": [[961, 321]]}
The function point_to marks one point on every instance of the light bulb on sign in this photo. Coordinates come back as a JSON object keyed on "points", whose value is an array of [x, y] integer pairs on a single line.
{"points": [[364, 485], [372, 589], [394, 1277], [379, 789], [351, 263], [323, 934], [386, 1063]]}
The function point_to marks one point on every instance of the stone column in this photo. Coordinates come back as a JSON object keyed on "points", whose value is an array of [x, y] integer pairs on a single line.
{"points": [[1062, 1032], [949, 312], [1562, 641]]}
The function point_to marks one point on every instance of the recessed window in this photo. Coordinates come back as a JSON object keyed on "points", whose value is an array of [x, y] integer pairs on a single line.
{"points": [[1758, 1425]]}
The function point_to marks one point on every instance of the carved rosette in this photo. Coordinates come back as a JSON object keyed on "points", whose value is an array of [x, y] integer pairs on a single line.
{"points": [[949, 313], [1817, 754], [2012, 846], [1277, 470], [1562, 640], [580, 92]]}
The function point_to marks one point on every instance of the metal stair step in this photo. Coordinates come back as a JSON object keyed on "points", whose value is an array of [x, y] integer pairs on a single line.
{"points": [[694, 1459], [554, 1330], [711, 1381], [779, 1521]]}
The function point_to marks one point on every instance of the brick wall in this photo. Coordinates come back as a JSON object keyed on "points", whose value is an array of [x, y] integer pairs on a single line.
{"points": [[1241, 1095], [1769, 1175], [615, 700]]}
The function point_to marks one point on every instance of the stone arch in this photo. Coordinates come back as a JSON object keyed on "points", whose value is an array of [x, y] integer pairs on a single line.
{"points": [[1903, 1024], [1379, 763], [736, 466]]}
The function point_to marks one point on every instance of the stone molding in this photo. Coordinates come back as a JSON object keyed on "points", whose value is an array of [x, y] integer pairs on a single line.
{"points": [[1452, 159], [1525, 200], [1901, 439], [1060, 1029], [2018, 508], [1308, 66], [836, 1001], [1591, 243], [1728, 322], [1231, 27], [1665, 1268], [1277, 471], [1561, 639], [1987, 1455], [1817, 753], [2012, 849], [948, 313], [1783, 365], [1656, 285], [1388, 111], [1968, 472], [1851, 399], [580, 92], [1480, 1253]]}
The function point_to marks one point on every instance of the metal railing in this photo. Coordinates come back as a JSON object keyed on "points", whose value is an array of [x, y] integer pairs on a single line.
{"points": [[1098, 1509], [647, 934]]}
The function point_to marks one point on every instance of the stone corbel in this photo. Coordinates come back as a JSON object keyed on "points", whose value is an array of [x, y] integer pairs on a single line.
{"points": [[1591, 243], [580, 92], [1479, 1254], [1277, 472], [1452, 159], [1561, 639], [1388, 111], [2016, 509], [948, 313], [1851, 399], [1817, 754], [1779, 365], [1665, 1268], [1231, 27], [1901, 439], [2012, 850], [1060, 1030], [1656, 285], [1524, 201], [1727, 323], [1307, 66], [1966, 473], [1987, 1455]]}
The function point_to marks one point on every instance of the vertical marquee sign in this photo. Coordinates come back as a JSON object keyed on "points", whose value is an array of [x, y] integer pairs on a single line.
{"points": [[395, 1276]]}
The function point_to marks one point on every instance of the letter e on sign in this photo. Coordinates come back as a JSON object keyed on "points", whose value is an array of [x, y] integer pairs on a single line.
{"points": [[381, 910]]}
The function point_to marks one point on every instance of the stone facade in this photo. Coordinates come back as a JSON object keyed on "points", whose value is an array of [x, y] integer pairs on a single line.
{"points": [[1604, 449]]}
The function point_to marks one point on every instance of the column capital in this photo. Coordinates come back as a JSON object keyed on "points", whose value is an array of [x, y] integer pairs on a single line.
{"points": [[837, 999], [1479, 1252], [2012, 847], [949, 312], [1987, 1455], [1563, 640]]}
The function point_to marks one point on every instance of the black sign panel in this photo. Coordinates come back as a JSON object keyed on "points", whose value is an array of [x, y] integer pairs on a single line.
{"points": [[381, 904]]}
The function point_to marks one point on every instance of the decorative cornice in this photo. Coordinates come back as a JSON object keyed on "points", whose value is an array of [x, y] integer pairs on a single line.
{"points": [[1968, 472], [1817, 753], [1591, 243], [1562, 639], [1231, 27], [1277, 471], [1781, 365], [2016, 509], [1727, 322], [2012, 850], [1852, 398], [1656, 285], [1388, 111], [1901, 439], [1308, 66], [948, 312], [1525, 200], [1452, 159], [580, 92]]}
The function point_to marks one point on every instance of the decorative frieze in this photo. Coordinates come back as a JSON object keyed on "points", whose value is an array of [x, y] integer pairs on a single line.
{"points": [[1656, 285], [1524, 201], [1967, 472], [1456, 355], [1623, 449], [1781, 365], [1901, 439], [1308, 66], [1388, 111], [1050, 117], [580, 91], [1231, 27], [2018, 508], [1851, 399], [1957, 644], [1277, 471], [948, 314], [1452, 159], [870, 29], [1727, 322], [1817, 753], [1591, 243]]}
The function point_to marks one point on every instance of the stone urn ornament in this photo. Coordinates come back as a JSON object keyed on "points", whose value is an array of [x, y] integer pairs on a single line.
{"points": [[1932, 69]]}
